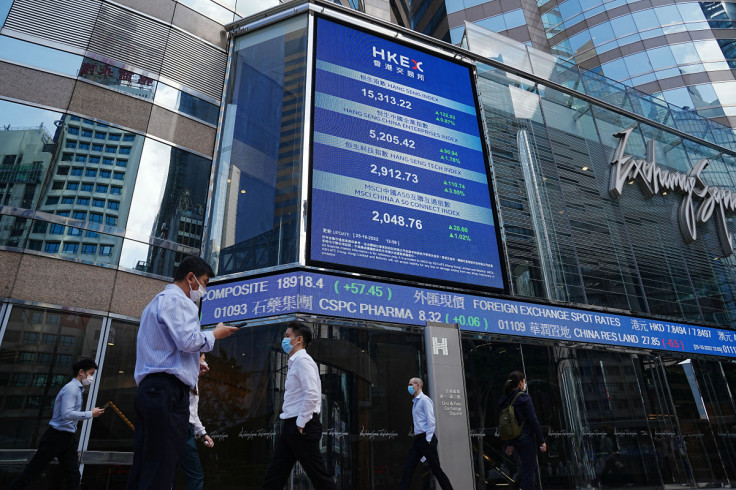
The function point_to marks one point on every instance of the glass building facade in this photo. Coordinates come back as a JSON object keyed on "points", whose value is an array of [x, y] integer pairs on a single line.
{"points": [[681, 51], [122, 152]]}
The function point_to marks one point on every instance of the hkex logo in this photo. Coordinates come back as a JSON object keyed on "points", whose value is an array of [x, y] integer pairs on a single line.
{"points": [[397, 59]]}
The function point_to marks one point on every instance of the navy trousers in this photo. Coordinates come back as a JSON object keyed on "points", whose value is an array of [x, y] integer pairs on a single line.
{"points": [[161, 424], [190, 464], [293, 446], [420, 448], [57, 444], [526, 449]]}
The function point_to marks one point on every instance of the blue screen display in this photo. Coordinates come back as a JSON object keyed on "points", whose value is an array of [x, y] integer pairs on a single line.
{"points": [[399, 180], [348, 297]]}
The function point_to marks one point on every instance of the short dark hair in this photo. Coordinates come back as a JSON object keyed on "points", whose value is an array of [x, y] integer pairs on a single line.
{"points": [[301, 330], [192, 263], [84, 365]]}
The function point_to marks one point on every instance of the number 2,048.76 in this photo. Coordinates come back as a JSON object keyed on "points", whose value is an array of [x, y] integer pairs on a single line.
{"points": [[395, 219]]}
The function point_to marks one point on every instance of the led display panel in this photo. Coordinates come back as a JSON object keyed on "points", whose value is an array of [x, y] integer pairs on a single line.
{"points": [[399, 182]]}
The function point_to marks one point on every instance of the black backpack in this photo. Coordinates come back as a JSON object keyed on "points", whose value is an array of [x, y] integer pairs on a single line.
{"points": [[508, 427]]}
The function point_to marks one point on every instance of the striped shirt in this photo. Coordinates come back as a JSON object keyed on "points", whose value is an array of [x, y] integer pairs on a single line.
{"points": [[170, 337], [68, 407]]}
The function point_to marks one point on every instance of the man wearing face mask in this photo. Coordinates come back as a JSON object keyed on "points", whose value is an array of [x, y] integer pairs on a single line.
{"points": [[302, 430], [60, 441], [169, 343], [425, 442]]}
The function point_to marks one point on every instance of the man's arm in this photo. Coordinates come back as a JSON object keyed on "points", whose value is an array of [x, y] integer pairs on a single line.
{"points": [[431, 422], [184, 327], [68, 410], [308, 376]]}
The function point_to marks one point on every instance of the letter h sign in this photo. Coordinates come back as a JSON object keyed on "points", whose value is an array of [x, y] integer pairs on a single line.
{"points": [[439, 346]]}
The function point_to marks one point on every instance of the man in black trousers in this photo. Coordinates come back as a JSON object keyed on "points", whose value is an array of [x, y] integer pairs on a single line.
{"points": [[60, 439], [302, 430]]}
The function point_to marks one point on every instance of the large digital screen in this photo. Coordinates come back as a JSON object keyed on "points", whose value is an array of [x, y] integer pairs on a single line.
{"points": [[348, 297], [399, 180]]}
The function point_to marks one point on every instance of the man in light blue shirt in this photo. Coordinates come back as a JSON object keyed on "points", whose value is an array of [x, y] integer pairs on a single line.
{"points": [[425, 442], [169, 343], [60, 441]]}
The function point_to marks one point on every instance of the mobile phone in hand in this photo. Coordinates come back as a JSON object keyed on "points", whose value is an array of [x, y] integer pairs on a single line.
{"points": [[105, 405], [238, 325]]}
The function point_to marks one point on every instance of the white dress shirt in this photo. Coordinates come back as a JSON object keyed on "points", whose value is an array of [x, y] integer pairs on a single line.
{"points": [[199, 430], [303, 396], [170, 337]]}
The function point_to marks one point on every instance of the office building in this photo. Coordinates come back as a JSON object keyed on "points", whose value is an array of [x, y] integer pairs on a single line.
{"points": [[449, 212], [681, 51]]}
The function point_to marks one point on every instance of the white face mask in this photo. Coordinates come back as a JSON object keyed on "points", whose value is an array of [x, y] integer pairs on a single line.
{"points": [[88, 380], [197, 294]]}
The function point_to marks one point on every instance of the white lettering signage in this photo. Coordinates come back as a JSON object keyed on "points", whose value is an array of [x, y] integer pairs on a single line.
{"points": [[653, 179]]}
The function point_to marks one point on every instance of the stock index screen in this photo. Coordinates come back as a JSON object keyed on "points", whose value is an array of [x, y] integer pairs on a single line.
{"points": [[399, 181]]}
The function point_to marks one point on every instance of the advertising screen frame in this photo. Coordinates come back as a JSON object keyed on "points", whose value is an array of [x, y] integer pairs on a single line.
{"points": [[472, 74]]}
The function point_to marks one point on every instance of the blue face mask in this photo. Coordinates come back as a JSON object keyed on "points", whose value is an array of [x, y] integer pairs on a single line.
{"points": [[286, 344], [411, 390]]}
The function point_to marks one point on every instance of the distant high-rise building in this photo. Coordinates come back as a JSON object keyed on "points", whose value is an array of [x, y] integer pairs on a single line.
{"points": [[682, 51]]}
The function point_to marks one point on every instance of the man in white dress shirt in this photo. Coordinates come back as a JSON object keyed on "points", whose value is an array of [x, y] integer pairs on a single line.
{"points": [[302, 430]]}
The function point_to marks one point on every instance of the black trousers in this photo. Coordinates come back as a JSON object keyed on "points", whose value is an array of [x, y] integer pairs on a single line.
{"points": [[292, 447], [161, 425], [420, 448], [526, 449], [53, 444]]}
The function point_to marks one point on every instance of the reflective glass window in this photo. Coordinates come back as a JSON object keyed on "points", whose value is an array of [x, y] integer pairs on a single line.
{"points": [[66, 200], [685, 53], [647, 20], [52, 247], [82, 215], [101, 188], [709, 50], [244, 8], [679, 97], [661, 58], [569, 9], [89, 249], [210, 9], [602, 33], [267, 67], [668, 14], [94, 159], [87, 187], [100, 136], [121, 163], [456, 34], [105, 174], [581, 42], [495, 24], [168, 180], [691, 11], [185, 103], [111, 220], [623, 25], [74, 131], [726, 92], [76, 171], [83, 201], [703, 95], [87, 133], [114, 137], [80, 158], [117, 78], [616, 69], [22, 428], [515, 18], [70, 248], [454, 5], [37, 56], [97, 147], [95, 217], [90, 172]]}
